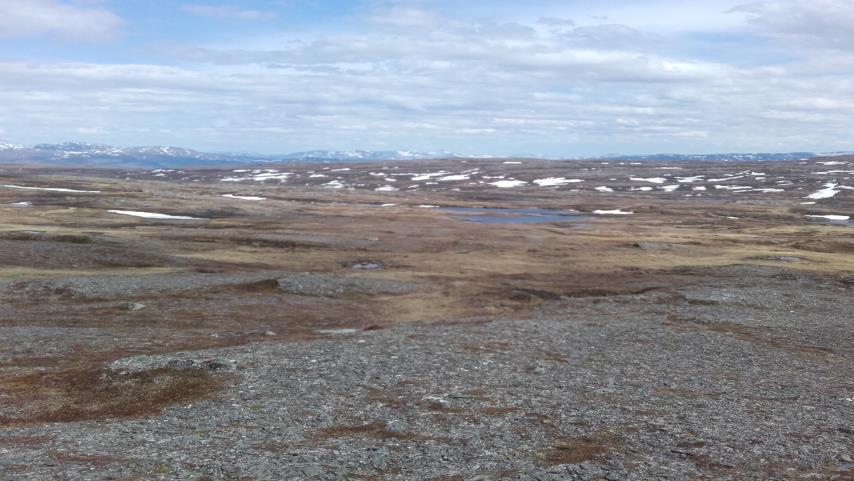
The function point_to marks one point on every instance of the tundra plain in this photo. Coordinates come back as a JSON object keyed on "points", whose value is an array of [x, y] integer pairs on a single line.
{"points": [[461, 319]]}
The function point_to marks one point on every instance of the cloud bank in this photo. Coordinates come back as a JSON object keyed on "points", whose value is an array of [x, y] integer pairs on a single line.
{"points": [[29, 18], [776, 77]]}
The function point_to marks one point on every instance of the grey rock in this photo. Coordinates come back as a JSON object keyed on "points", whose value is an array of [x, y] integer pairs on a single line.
{"points": [[135, 306], [312, 470], [171, 361], [397, 426], [326, 285]]}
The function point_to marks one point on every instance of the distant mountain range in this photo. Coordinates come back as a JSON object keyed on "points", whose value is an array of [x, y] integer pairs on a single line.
{"points": [[364, 155], [77, 154], [719, 157]]}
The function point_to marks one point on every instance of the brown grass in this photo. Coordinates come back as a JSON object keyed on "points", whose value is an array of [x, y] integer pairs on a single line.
{"points": [[574, 451], [555, 357], [64, 457], [376, 430], [26, 441], [385, 397], [678, 392], [499, 410], [94, 393]]}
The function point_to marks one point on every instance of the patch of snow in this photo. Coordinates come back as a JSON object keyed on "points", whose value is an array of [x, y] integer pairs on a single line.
{"points": [[506, 184], [333, 184], [52, 189], [670, 188], [831, 217], [449, 178], [271, 176], [604, 189], [429, 175], [654, 180], [337, 331], [725, 179], [555, 181], [689, 180], [613, 212], [22, 204], [385, 188], [829, 191], [152, 215], [243, 197]]}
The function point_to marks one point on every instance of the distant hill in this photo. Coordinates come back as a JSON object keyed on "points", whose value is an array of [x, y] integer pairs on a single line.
{"points": [[365, 155], [717, 157], [79, 154]]}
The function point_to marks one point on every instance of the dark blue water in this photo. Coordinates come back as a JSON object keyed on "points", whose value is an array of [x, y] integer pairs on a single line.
{"points": [[849, 222], [366, 265], [486, 215]]}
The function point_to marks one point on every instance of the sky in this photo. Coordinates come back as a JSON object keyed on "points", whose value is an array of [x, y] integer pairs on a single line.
{"points": [[479, 77]]}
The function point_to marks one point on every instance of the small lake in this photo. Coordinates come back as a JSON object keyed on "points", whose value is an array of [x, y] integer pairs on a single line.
{"points": [[487, 215], [849, 223]]}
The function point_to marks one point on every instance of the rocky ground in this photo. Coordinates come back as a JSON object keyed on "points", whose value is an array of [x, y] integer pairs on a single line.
{"points": [[297, 339]]}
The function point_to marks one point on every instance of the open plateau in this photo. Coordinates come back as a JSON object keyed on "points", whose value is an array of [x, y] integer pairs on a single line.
{"points": [[440, 319]]}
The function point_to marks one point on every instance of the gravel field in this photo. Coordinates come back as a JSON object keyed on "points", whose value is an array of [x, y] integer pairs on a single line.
{"points": [[744, 378], [111, 287]]}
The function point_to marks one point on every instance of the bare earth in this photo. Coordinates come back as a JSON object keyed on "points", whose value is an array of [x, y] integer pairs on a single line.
{"points": [[661, 321]]}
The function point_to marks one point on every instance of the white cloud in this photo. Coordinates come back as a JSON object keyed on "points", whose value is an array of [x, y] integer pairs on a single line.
{"points": [[814, 23], [556, 22], [25, 18], [412, 78], [228, 12], [405, 16]]}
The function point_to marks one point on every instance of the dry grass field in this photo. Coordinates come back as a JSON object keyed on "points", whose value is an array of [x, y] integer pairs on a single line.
{"points": [[319, 254]]}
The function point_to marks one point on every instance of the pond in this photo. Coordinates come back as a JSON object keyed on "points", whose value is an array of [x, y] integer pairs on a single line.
{"points": [[488, 215]]}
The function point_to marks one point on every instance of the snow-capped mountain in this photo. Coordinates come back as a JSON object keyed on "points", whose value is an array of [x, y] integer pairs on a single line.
{"points": [[100, 155], [79, 154], [82, 150], [365, 155], [732, 157]]}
